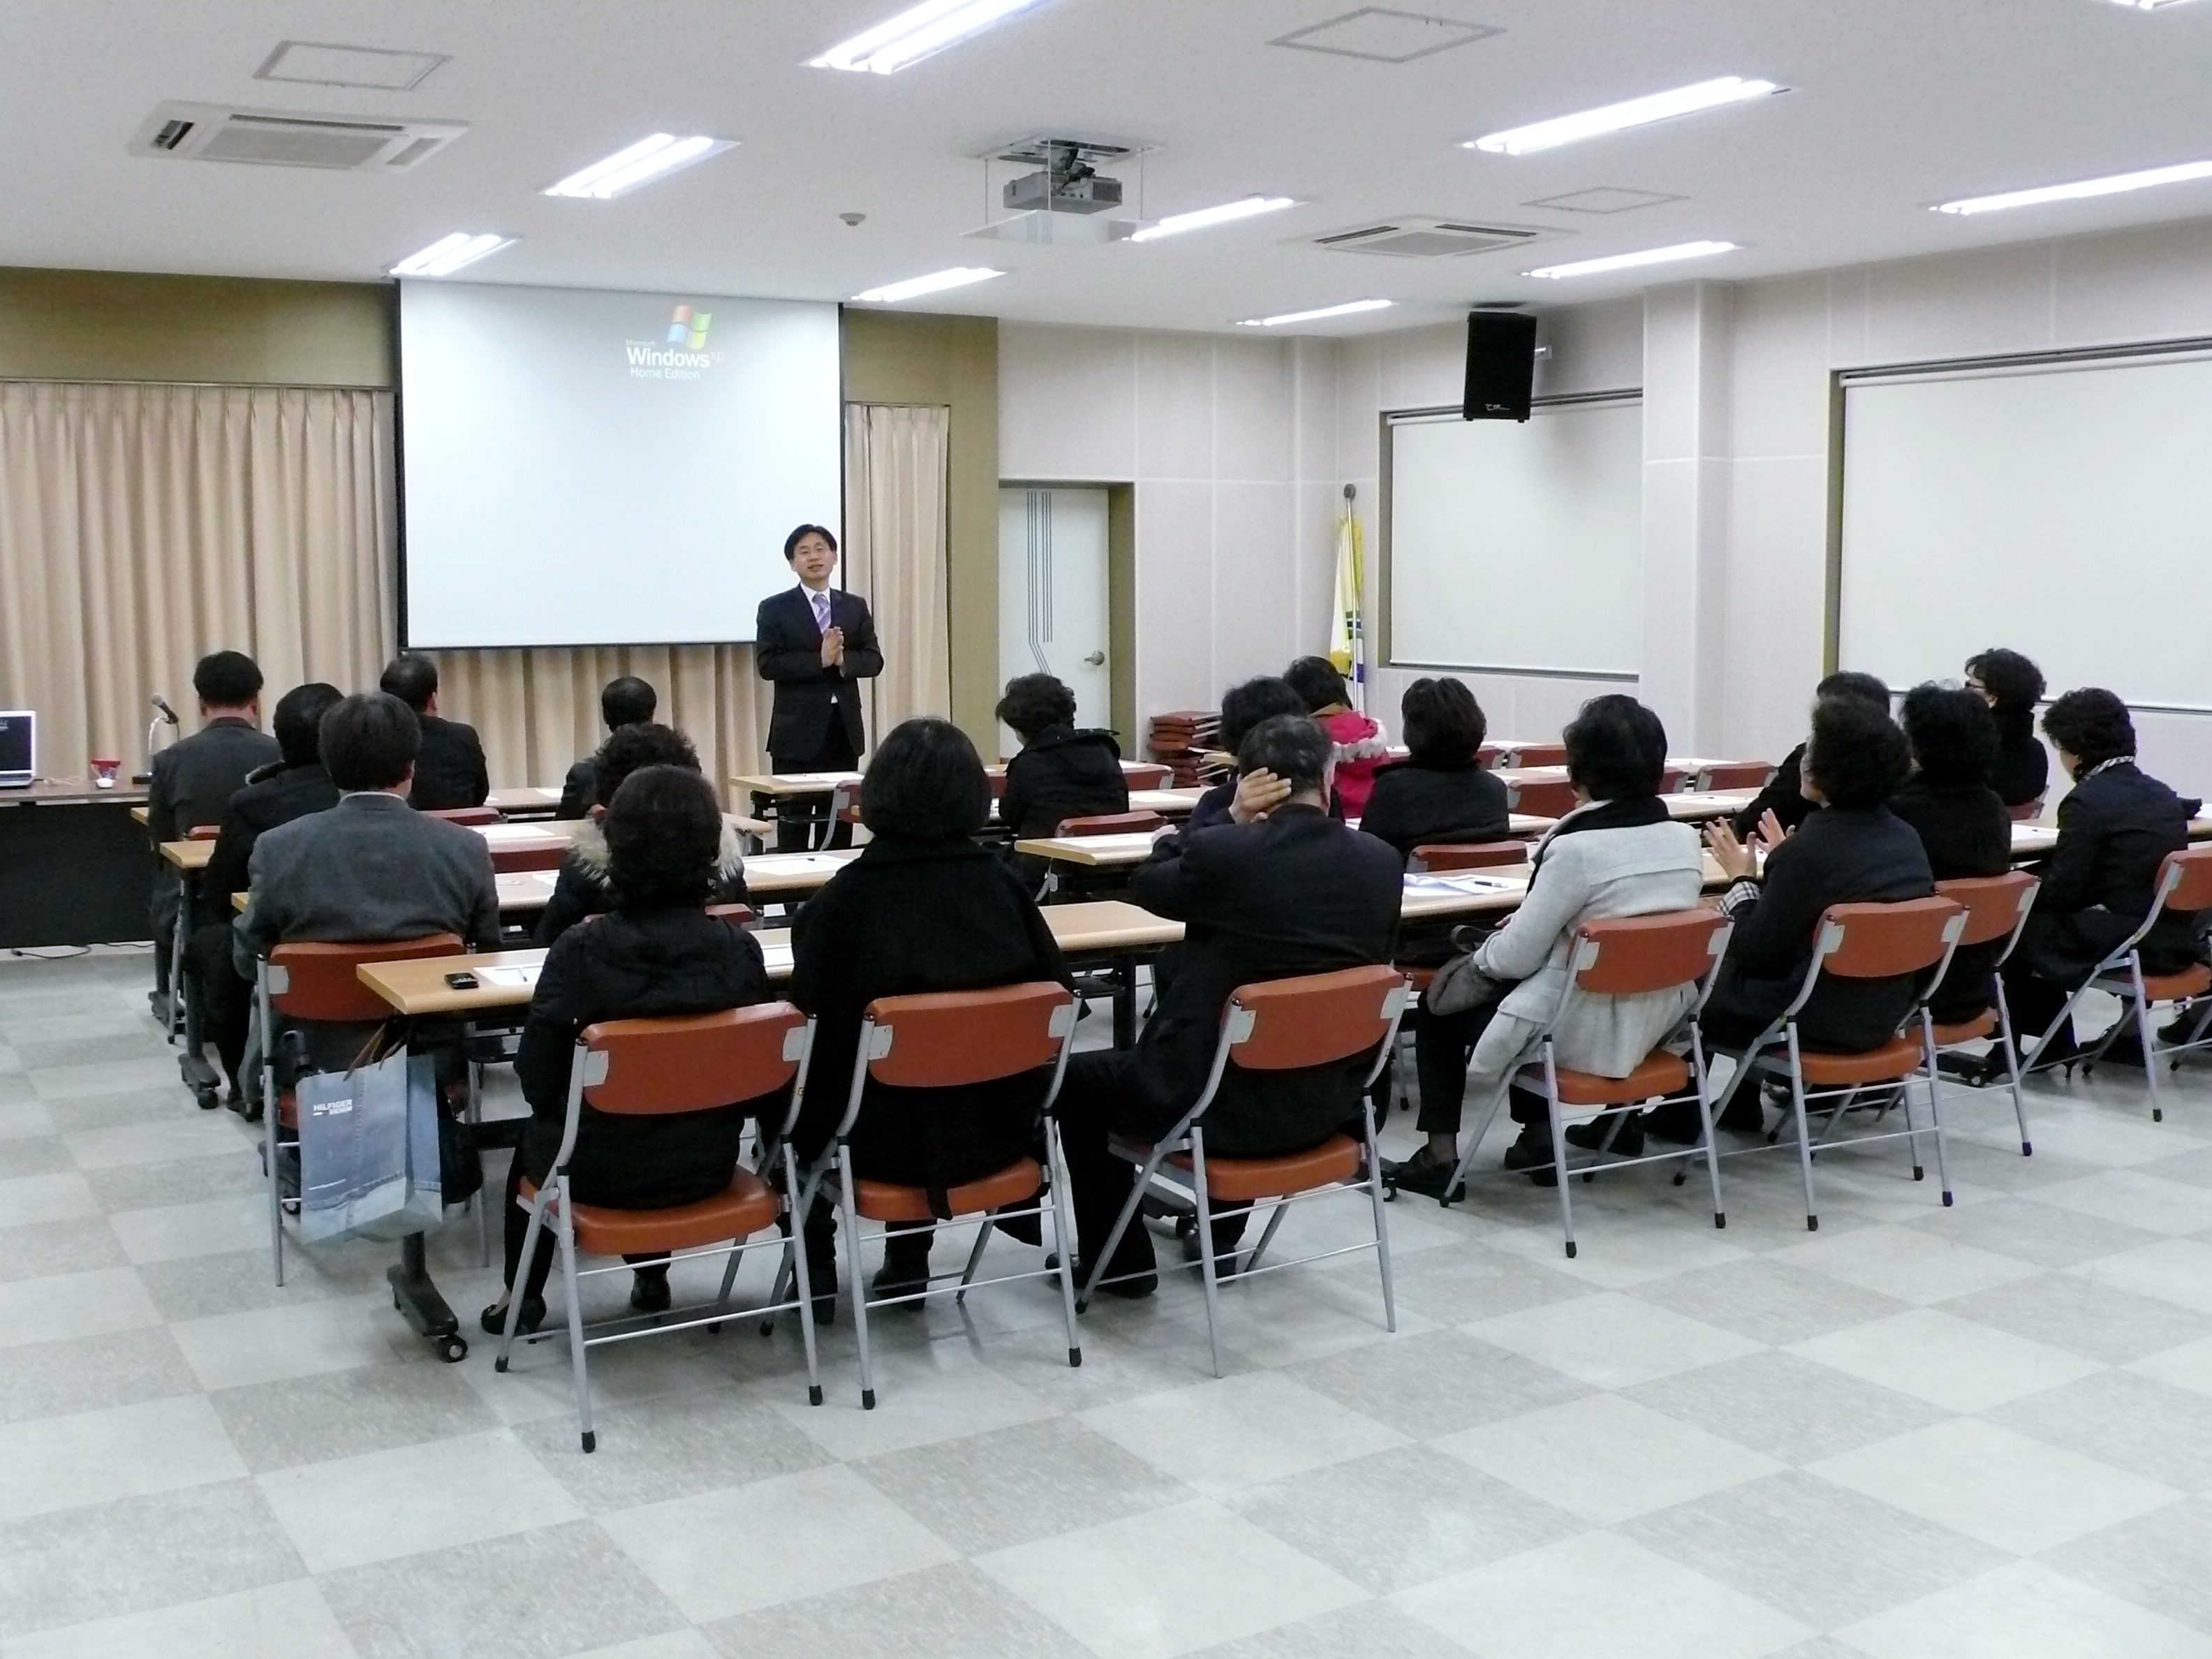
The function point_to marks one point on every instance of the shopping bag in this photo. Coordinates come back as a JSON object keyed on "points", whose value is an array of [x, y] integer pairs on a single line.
{"points": [[368, 1150]]}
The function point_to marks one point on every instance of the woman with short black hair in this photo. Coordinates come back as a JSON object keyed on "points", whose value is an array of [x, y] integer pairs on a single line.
{"points": [[657, 952], [1062, 772], [1441, 792], [924, 908], [1959, 820], [1617, 854], [2010, 684], [1784, 796], [1243, 706]]}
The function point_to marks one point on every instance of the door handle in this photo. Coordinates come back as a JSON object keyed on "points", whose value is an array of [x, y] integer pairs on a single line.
{"points": [[1096, 659]]}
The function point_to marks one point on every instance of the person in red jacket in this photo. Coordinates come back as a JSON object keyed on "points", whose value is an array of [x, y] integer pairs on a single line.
{"points": [[1361, 746]]}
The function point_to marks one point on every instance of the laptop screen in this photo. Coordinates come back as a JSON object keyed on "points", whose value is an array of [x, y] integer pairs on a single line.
{"points": [[19, 744]]}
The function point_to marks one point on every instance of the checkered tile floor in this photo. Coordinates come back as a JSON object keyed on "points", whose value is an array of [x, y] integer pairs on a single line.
{"points": [[1981, 1431]]}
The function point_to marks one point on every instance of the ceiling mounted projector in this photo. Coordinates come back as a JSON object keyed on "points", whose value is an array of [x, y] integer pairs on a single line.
{"points": [[1069, 180]]}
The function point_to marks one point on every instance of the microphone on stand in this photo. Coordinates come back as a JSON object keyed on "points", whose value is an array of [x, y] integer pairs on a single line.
{"points": [[163, 715], [162, 703]]}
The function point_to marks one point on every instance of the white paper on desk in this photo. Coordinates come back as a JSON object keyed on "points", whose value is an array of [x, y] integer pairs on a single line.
{"points": [[796, 864], [1461, 884], [778, 960], [509, 978], [506, 832]]}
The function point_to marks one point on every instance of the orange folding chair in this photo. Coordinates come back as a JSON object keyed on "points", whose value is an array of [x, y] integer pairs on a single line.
{"points": [[1550, 798], [1146, 775], [1625, 955], [1111, 823], [1906, 937], [1438, 857], [662, 1068], [470, 818], [314, 983], [956, 1039], [2184, 883], [1277, 1025], [528, 856], [1997, 907], [1735, 775], [1541, 754]]}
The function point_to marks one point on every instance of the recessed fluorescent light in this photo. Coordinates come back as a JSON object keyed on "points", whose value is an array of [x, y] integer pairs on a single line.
{"points": [[916, 33], [2112, 187], [449, 253], [1636, 112], [648, 158], [1345, 310], [1651, 256], [2150, 5], [959, 276], [1198, 218]]}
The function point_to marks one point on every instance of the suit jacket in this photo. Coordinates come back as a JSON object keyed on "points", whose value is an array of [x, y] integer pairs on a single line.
{"points": [[787, 650], [2115, 829], [1967, 832], [632, 964], [1063, 774], [370, 868], [1836, 857], [1781, 796], [1412, 805], [2022, 771], [449, 771], [1294, 893], [194, 778], [909, 917], [273, 797], [579, 790]]}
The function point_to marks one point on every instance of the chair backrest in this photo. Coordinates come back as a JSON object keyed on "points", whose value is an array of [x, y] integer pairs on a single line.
{"points": [[203, 832], [1628, 955], [1541, 754], [1486, 757], [315, 982], [1467, 855], [1995, 905], [738, 915], [1112, 823], [1736, 774], [1314, 1020], [954, 1039], [469, 817], [2185, 879], [1551, 799], [692, 1062], [1670, 780], [1148, 775], [1887, 941], [528, 856], [2027, 812]]}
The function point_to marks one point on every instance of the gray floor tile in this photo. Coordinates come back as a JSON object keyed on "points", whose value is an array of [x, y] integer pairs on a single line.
{"points": [[59, 1247], [242, 1281], [1221, 1436], [275, 1621], [87, 1373], [1436, 1382], [1357, 1632], [1458, 1286], [1811, 1549], [1395, 1519], [313, 1420], [674, 1446], [139, 1553], [539, 1595], [2025, 1611], [137, 1077], [952, 1611], [1767, 1301], [1790, 1408], [2126, 1420], [2156, 1561], [2098, 1321], [178, 1181], [32, 1154], [989, 1491]]}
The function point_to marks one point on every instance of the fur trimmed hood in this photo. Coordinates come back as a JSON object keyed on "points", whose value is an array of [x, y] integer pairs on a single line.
{"points": [[589, 849]]}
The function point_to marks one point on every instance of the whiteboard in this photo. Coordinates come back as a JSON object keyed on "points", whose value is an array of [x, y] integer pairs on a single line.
{"points": [[1519, 547], [2064, 511]]}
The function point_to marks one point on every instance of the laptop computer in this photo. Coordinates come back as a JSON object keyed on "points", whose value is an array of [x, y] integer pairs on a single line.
{"points": [[19, 748]]}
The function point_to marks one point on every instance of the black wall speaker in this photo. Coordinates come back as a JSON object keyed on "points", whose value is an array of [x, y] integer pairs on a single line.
{"points": [[1501, 365]]}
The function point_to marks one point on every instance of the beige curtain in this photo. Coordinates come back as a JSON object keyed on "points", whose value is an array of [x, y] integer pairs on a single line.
{"points": [[142, 526], [897, 548]]}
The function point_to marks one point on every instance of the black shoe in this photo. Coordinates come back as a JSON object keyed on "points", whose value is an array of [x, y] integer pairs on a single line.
{"points": [[2183, 1027], [493, 1318], [1976, 1070], [1627, 1139], [1677, 1122], [2126, 1050], [1224, 1258], [1422, 1173], [1531, 1154], [905, 1270], [1141, 1282], [649, 1291]]}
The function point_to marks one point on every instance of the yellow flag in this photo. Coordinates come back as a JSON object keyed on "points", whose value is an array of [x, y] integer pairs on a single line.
{"points": [[1347, 643]]}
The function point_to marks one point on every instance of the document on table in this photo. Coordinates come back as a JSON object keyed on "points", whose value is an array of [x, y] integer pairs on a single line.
{"points": [[514, 979], [1462, 884]]}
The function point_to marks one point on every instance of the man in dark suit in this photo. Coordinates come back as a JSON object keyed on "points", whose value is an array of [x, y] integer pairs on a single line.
{"points": [[293, 788], [450, 771], [1281, 890], [816, 643], [370, 867], [627, 701], [1784, 795], [194, 779]]}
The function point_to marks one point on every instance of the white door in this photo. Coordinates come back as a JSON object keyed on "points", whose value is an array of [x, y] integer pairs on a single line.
{"points": [[1054, 616]]}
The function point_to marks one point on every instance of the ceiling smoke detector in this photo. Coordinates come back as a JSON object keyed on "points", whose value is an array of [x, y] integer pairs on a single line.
{"points": [[1411, 236], [342, 144]]}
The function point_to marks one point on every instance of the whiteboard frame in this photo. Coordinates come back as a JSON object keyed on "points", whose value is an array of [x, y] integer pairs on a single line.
{"points": [[1394, 418], [2134, 354]]}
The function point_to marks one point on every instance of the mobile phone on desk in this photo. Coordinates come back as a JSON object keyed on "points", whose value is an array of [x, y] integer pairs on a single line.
{"points": [[461, 981]]}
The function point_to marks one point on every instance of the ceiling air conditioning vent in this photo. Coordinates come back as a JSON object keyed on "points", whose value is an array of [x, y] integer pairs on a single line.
{"points": [[1409, 238], [345, 143]]}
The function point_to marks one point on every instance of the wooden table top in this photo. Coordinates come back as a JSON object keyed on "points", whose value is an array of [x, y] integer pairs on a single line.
{"points": [[73, 792], [782, 784], [535, 797], [1113, 852]]}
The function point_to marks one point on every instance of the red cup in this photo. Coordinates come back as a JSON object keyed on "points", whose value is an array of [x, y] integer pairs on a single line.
{"points": [[104, 772]]}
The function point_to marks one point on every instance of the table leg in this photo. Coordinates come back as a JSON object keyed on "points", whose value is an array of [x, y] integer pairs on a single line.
{"points": [[199, 1076], [1125, 1002], [419, 1303]]}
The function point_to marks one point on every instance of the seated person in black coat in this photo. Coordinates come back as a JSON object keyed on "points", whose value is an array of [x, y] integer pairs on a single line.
{"points": [[2115, 828], [1851, 849], [1441, 793], [1784, 796], [1061, 772], [1264, 898], [1959, 820], [924, 908], [657, 953], [626, 701], [2010, 684], [585, 886], [1242, 707], [294, 787], [450, 772]]}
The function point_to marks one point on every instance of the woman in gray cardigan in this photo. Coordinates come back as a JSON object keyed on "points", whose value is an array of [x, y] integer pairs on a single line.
{"points": [[1617, 854]]}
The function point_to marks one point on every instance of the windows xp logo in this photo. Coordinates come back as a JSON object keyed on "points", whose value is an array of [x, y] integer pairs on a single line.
{"points": [[687, 329]]}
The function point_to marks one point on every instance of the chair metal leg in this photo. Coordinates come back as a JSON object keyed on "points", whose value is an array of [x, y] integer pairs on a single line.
{"points": [[1276, 1212], [849, 1219], [1558, 1152], [2147, 1037], [568, 1237], [270, 1113], [794, 1263], [1705, 1115], [1934, 1103], [1382, 1225], [1470, 1144], [1063, 1230], [1911, 1127], [482, 1203], [1804, 1134], [975, 1256], [515, 1291], [1206, 1243], [1129, 1208], [2012, 1060]]}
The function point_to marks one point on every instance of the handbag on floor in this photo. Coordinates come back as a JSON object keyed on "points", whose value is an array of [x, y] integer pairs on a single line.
{"points": [[370, 1157]]}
